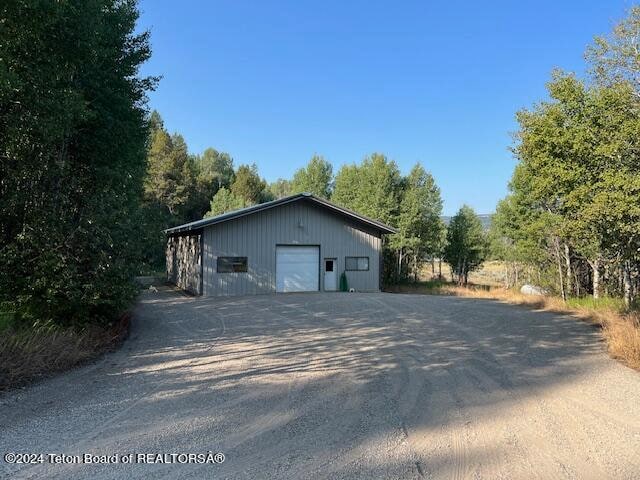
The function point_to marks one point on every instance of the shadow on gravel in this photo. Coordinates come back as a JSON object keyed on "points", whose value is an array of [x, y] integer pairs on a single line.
{"points": [[304, 386], [309, 383]]}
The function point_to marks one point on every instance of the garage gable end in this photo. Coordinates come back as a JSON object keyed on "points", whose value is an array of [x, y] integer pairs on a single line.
{"points": [[352, 216]]}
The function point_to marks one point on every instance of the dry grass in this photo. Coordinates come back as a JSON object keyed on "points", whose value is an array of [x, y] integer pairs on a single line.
{"points": [[491, 273], [623, 340], [29, 354], [620, 330]]}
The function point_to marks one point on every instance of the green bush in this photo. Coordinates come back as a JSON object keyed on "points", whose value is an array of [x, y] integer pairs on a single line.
{"points": [[603, 303]]}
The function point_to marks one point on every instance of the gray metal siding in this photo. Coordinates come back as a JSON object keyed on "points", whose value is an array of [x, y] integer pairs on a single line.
{"points": [[256, 236]]}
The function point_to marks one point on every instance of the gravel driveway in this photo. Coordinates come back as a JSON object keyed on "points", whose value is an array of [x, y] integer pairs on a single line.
{"points": [[338, 386]]}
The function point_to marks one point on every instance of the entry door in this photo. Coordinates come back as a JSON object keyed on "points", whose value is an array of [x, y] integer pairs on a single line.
{"points": [[297, 268], [330, 275]]}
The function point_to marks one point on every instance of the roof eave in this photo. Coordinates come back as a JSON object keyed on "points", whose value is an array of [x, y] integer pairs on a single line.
{"points": [[200, 224]]}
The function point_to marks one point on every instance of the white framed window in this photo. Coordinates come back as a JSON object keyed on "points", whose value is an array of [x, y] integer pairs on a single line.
{"points": [[356, 263]]}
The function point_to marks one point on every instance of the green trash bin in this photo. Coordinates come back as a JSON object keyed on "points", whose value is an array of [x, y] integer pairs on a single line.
{"points": [[344, 286]]}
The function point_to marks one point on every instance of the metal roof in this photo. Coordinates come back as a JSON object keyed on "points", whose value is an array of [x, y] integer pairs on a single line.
{"points": [[205, 222]]}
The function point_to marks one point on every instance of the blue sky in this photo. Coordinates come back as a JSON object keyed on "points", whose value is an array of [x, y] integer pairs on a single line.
{"points": [[431, 82]]}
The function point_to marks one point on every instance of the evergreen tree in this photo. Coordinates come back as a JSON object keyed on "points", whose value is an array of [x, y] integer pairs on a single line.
{"points": [[170, 180], [248, 185], [155, 123]]}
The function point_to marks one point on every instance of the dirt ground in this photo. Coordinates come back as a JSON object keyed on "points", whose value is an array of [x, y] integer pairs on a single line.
{"points": [[338, 386]]}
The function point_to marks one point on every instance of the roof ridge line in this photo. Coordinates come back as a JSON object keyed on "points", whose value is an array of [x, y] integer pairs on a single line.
{"points": [[197, 224]]}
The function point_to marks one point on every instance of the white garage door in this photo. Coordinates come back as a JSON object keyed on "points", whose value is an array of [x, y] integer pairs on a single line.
{"points": [[297, 269]]}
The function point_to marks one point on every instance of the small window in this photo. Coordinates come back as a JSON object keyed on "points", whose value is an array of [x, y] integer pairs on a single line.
{"points": [[232, 264], [328, 266], [356, 263]]}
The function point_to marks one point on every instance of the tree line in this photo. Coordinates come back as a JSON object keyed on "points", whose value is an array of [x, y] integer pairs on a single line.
{"points": [[180, 187], [571, 222]]}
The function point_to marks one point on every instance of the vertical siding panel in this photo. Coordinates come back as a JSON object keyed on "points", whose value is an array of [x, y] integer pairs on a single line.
{"points": [[270, 242], [209, 265], [232, 242], [242, 244], [250, 234], [216, 242], [220, 250], [264, 239], [264, 236], [228, 240], [239, 285], [219, 246], [250, 279], [255, 236], [238, 279], [267, 249], [213, 288], [255, 248], [207, 261]]}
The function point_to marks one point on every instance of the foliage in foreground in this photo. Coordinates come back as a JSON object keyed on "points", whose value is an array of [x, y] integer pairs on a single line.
{"points": [[73, 130]]}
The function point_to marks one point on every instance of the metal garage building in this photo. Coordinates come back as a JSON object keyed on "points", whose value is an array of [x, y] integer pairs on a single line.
{"points": [[299, 243]]}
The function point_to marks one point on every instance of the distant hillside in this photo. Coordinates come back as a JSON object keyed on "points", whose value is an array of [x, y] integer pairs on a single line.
{"points": [[485, 218]]}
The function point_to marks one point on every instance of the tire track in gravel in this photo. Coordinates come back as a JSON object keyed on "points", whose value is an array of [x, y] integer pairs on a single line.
{"points": [[298, 398], [82, 443], [376, 318], [356, 386], [458, 421], [526, 400], [411, 406], [493, 377]]}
